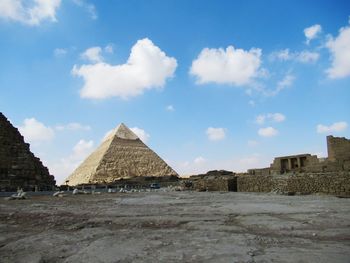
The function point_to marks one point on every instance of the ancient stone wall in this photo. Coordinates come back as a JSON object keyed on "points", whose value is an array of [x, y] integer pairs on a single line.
{"points": [[292, 163], [335, 183], [215, 184], [18, 165], [259, 171], [338, 148]]}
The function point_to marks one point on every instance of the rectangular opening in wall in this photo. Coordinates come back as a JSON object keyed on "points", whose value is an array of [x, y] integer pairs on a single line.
{"points": [[303, 161], [294, 163], [284, 165]]}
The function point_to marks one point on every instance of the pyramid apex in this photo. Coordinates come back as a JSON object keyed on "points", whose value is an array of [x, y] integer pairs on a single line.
{"points": [[123, 132]]}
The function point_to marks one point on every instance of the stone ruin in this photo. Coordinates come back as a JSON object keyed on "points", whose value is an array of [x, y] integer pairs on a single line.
{"points": [[19, 168], [338, 160], [295, 174], [216, 180], [304, 173]]}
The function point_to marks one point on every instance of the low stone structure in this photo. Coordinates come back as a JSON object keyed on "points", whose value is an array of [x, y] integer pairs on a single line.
{"points": [[304, 173], [338, 160], [19, 168], [294, 163], [213, 181], [334, 183]]}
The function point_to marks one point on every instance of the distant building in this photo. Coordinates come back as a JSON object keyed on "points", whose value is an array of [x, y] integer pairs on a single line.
{"points": [[338, 160]]}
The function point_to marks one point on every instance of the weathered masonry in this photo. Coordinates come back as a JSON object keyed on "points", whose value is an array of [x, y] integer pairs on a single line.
{"points": [[334, 183], [338, 160], [338, 149], [293, 163], [304, 173], [19, 168], [285, 164]]}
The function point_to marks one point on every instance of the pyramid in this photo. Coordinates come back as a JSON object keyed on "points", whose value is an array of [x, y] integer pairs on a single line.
{"points": [[19, 168], [121, 155]]}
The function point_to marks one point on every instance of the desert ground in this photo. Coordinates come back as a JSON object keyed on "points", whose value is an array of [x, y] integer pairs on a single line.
{"points": [[164, 226]]}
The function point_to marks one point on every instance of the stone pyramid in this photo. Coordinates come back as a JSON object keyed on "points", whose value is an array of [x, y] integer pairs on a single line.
{"points": [[121, 155], [18, 165]]}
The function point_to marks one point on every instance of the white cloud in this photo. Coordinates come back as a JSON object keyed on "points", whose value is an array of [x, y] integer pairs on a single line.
{"points": [[274, 117], [73, 126], [34, 131], [147, 67], [109, 48], [90, 8], [267, 132], [277, 117], [286, 82], [60, 52], [31, 13], [283, 55], [312, 32], [82, 149], [199, 160], [304, 56], [93, 54], [230, 66], [335, 127], [170, 108], [142, 134], [65, 166], [307, 57], [215, 134], [339, 47]]}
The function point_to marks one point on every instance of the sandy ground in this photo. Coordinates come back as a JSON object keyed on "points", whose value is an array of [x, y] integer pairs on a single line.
{"points": [[175, 227]]}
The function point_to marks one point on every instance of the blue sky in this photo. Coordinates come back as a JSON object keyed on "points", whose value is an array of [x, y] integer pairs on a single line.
{"points": [[206, 84]]}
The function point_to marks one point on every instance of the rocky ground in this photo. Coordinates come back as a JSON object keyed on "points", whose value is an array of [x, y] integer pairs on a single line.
{"points": [[175, 227]]}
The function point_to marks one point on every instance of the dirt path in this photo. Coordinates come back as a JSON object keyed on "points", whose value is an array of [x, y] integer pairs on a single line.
{"points": [[175, 227]]}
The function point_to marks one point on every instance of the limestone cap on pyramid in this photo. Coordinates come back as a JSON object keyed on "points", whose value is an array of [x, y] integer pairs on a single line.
{"points": [[122, 132], [121, 154]]}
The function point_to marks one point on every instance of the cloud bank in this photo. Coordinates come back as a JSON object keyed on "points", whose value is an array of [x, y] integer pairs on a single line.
{"points": [[267, 132], [148, 67], [34, 131], [335, 127], [339, 48], [231, 66], [216, 134], [32, 13], [312, 32]]}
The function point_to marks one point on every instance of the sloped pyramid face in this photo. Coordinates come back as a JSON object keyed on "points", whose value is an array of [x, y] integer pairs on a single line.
{"points": [[121, 155], [18, 165]]}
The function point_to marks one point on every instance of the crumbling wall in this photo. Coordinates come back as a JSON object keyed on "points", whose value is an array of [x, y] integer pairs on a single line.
{"points": [[215, 184], [335, 183], [338, 148], [259, 171]]}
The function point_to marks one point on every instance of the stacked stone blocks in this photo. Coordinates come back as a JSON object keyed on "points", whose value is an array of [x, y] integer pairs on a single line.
{"points": [[19, 168]]}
